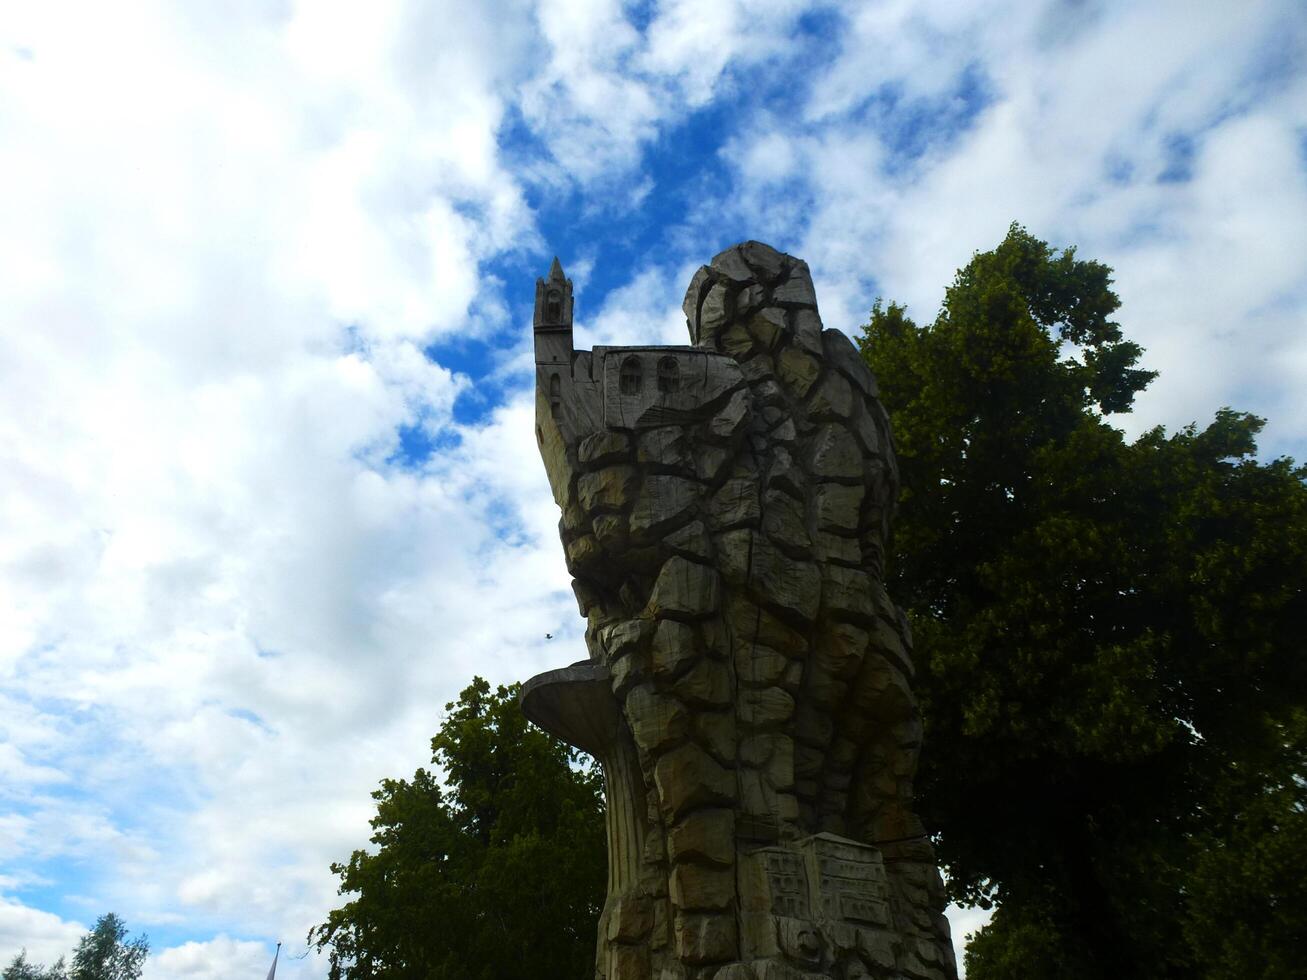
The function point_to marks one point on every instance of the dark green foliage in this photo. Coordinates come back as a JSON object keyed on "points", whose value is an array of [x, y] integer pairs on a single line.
{"points": [[104, 953], [1259, 868], [496, 877], [1109, 633]]}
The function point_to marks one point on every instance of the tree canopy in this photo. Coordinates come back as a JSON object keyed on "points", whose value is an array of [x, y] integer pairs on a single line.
{"points": [[497, 875], [1109, 633], [104, 953]]}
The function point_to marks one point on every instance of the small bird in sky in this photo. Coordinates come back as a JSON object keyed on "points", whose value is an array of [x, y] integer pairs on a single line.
{"points": [[549, 636]]}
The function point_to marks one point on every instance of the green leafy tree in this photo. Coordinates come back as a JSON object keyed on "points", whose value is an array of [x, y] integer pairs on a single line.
{"points": [[20, 969], [104, 953], [495, 876], [1109, 637]]}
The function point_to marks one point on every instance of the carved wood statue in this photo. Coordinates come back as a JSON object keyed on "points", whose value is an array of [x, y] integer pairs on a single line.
{"points": [[724, 514]]}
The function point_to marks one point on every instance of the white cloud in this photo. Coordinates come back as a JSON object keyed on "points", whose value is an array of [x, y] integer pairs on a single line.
{"points": [[217, 959], [692, 44], [226, 616], [606, 89], [917, 48], [646, 310], [591, 113]]}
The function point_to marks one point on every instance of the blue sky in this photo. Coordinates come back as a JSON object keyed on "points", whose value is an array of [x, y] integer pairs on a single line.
{"points": [[270, 492]]}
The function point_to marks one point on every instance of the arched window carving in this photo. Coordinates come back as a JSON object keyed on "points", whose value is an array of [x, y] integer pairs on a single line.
{"points": [[669, 376], [554, 306], [555, 393], [632, 378]]}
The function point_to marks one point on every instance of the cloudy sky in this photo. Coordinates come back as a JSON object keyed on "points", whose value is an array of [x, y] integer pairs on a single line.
{"points": [[268, 491]]}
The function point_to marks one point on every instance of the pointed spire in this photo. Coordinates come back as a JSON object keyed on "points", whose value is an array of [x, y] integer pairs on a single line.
{"points": [[554, 299]]}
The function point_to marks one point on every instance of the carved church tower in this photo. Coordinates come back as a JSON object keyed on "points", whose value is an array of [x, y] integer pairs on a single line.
{"points": [[553, 318], [553, 337]]}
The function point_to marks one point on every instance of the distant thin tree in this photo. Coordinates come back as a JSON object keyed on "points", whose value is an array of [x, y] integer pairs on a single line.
{"points": [[104, 953], [21, 969]]}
